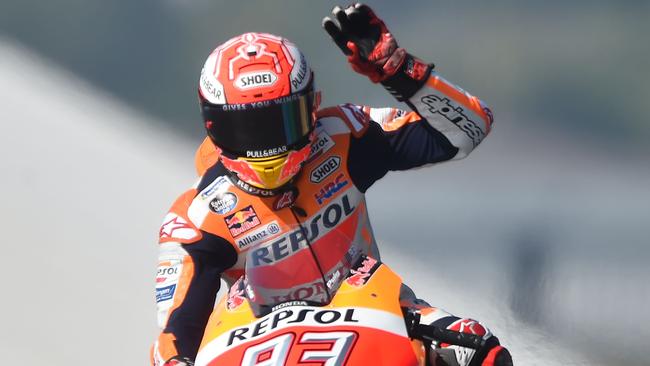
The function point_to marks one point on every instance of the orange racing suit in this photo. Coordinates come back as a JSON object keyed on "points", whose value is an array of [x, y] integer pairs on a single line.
{"points": [[210, 227]]}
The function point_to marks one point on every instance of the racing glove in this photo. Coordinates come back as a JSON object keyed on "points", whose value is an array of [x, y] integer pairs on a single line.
{"points": [[373, 51]]}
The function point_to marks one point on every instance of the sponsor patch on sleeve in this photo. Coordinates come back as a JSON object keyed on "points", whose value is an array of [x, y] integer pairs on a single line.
{"points": [[168, 272], [176, 228], [165, 293]]}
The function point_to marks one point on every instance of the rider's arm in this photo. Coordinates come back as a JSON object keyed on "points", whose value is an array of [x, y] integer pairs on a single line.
{"points": [[445, 123], [191, 262]]}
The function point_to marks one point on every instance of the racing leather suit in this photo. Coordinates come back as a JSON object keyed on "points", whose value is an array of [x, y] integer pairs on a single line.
{"points": [[210, 227]]}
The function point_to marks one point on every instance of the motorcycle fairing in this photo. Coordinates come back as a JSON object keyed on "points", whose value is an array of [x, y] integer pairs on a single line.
{"points": [[363, 324]]}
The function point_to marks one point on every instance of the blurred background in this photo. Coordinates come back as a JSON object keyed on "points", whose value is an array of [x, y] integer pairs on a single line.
{"points": [[542, 232]]}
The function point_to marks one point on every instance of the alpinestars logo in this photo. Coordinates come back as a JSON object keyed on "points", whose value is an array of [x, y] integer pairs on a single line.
{"points": [[176, 228], [286, 199], [456, 115]]}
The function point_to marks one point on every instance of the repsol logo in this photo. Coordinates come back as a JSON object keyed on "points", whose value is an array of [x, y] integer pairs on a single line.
{"points": [[255, 80], [284, 246], [167, 271], [325, 169], [288, 317], [322, 144], [254, 190], [456, 115]]}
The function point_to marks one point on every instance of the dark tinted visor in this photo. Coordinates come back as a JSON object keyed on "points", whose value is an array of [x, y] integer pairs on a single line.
{"points": [[238, 128]]}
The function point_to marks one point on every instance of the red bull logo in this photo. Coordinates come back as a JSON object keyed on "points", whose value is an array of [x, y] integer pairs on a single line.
{"points": [[242, 221]]}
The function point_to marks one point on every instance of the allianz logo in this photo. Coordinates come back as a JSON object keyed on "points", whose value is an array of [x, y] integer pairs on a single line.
{"points": [[257, 235]]}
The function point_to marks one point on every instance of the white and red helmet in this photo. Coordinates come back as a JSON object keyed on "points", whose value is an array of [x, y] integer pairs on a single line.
{"points": [[258, 105]]}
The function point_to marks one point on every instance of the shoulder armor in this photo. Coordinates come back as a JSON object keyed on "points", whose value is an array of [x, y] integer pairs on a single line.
{"points": [[176, 226], [205, 157]]}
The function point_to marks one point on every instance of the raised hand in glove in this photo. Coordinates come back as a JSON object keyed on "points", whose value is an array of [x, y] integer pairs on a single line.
{"points": [[364, 38], [373, 51]]}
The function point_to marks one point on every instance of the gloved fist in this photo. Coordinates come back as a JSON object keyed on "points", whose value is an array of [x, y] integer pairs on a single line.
{"points": [[373, 51], [179, 361], [363, 37]]}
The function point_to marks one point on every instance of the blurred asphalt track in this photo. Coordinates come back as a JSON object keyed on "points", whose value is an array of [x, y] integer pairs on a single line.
{"points": [[86, 182]]}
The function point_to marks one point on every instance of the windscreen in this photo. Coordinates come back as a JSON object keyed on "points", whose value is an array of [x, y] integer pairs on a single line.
{"points": [[300, 267]]}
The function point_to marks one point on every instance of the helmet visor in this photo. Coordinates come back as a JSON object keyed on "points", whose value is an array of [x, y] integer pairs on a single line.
{"points": [[261, 129]]}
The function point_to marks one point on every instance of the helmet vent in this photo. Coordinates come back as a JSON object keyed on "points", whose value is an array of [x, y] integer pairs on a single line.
{"points": [[251, 50]]}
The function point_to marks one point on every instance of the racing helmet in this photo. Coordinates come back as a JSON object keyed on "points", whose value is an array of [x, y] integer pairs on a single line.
{"points": [[258, 104]]}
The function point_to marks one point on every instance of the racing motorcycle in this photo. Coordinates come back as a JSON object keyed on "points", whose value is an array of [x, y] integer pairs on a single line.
{"points": [[298, 313]]}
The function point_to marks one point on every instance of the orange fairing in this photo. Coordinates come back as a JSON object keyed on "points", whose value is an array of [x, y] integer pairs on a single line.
{"points": [[363, 325]]}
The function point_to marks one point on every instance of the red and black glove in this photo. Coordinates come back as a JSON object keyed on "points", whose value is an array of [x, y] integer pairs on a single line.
{"points": [[372, 50]]}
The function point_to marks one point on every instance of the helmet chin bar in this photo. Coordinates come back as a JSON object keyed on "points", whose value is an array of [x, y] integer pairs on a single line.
{"points": [[261, 192], [266, 177]]}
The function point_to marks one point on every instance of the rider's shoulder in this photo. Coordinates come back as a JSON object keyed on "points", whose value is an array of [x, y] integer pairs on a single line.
{"points": [[205, 157], [343, 119]]}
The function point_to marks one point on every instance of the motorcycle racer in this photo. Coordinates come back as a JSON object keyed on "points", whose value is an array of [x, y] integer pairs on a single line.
{"points": [[272, 159]]}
